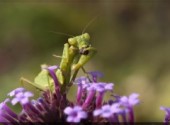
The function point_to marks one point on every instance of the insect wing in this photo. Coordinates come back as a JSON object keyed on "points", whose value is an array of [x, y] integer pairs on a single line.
{"points": [[43, 80]]}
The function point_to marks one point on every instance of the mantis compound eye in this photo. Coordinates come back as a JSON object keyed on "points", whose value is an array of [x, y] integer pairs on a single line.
{"points": [[86, 36], [72, 41], [84, 51]]}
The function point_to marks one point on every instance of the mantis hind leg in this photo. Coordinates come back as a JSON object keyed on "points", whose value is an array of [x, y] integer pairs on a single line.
{"points": [[87, 75], [23, 81], [75, 74]]}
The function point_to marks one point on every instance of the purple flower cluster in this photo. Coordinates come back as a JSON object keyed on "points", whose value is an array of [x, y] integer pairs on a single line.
{"points": [[167, 114], [90, 105], [90, 96]]}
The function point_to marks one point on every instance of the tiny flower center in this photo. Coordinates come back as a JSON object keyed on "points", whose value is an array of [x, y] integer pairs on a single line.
{"points": [[74, 114]]}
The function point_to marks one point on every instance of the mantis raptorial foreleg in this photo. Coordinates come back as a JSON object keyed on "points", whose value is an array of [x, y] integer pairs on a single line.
{"points": [[86, 55], [64, 72], [76, 53], [84, 58], [63, 64]]}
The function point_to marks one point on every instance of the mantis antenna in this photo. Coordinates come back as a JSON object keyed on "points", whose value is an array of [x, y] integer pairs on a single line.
{"points": [[60, 33], [90, 22]]}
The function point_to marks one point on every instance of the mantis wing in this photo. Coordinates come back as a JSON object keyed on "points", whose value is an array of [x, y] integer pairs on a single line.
{"points": [[43, 80]]}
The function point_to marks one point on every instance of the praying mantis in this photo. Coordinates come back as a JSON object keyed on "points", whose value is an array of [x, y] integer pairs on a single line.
{"points": [[76, 53]]}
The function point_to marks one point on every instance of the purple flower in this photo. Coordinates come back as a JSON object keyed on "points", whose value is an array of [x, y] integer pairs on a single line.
{"points": [[6, 114], [167, 115], [82, 83], [22, 97], [107, 110], [101, 87], [15, 91], [51, 70], [116, 108], [90, 96], [95, 75], [81, 80], [75, 114], [54, 67], [130, 101]]}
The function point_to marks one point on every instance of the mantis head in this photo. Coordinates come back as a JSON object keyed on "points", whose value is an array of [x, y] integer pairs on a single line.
{"points": [[81, 41]]}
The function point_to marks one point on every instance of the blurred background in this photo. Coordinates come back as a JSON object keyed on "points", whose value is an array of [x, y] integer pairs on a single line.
{"points": [[131, 36]]}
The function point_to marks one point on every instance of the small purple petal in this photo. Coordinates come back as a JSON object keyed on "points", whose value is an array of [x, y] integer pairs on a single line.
{"points": [[82, 114], [77, 108], [102, 87], [15, 101], [81, 80], [87, 86], [167, 115], [16, 91], [51, 70], [28, 94], [91, 87], [109, 86], [22, 97], [116, 108], [124, 99], [97, 112], [96, 73], [70, 119], [52, 67], [3, 103], [105, 111], [24, 101], [6, 112], [131, 101], [68, 110], [166, 109], [76, 120], [75, 114]]}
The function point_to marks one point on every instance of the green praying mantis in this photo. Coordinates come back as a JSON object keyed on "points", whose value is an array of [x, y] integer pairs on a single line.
{"points": [[76, 53]]}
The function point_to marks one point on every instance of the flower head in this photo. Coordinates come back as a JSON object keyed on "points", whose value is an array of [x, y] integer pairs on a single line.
{"points": [[95, 75], [51, 70], [16, 91], [22, 97], [81, 80], [131, 100], [6, 114], [75, 114], [52, 106], [107, 110], [54, 67], [167, 115], [102, 87]]}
